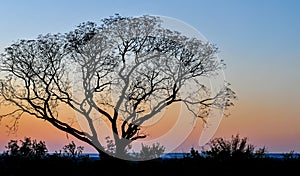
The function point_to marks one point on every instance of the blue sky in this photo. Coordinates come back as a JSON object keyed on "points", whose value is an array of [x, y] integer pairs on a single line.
{"points": [[262, 25], [258, 39], [256, 28]]}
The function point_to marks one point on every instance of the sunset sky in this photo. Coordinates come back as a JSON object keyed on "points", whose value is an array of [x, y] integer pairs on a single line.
{"points": [[258, 40]]}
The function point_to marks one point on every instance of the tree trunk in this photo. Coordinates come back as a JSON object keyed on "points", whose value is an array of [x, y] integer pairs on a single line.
{"points": [[103, 155], [121, 152]]}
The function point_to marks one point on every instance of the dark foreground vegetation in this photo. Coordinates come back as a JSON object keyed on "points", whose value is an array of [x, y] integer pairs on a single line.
{"points": [[224, 157], [60, 166]]}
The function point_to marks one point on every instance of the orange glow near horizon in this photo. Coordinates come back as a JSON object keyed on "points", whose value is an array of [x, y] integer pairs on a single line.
{"points": [[263, 125]]}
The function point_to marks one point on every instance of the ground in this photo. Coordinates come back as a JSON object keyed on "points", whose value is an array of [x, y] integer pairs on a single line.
{"points": [[157, 167]]}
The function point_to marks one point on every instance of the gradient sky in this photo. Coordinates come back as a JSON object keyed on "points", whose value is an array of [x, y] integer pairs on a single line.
{"points": [[258, 39]]}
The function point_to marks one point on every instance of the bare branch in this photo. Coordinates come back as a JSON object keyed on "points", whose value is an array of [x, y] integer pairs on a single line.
{"points": [[124, 71]]}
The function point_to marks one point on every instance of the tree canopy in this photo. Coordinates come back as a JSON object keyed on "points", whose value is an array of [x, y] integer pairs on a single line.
{"points": [[125, 70]]}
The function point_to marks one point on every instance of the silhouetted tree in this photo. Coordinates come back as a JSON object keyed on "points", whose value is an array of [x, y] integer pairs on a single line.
{"points": [[126, 70]]}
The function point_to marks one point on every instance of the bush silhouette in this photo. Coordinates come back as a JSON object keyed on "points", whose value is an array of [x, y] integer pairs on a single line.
{"points": [[236, 148], [151, 152], [28, 149], [24, 156], [194, 154], [290, 155], [73, 151]]}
